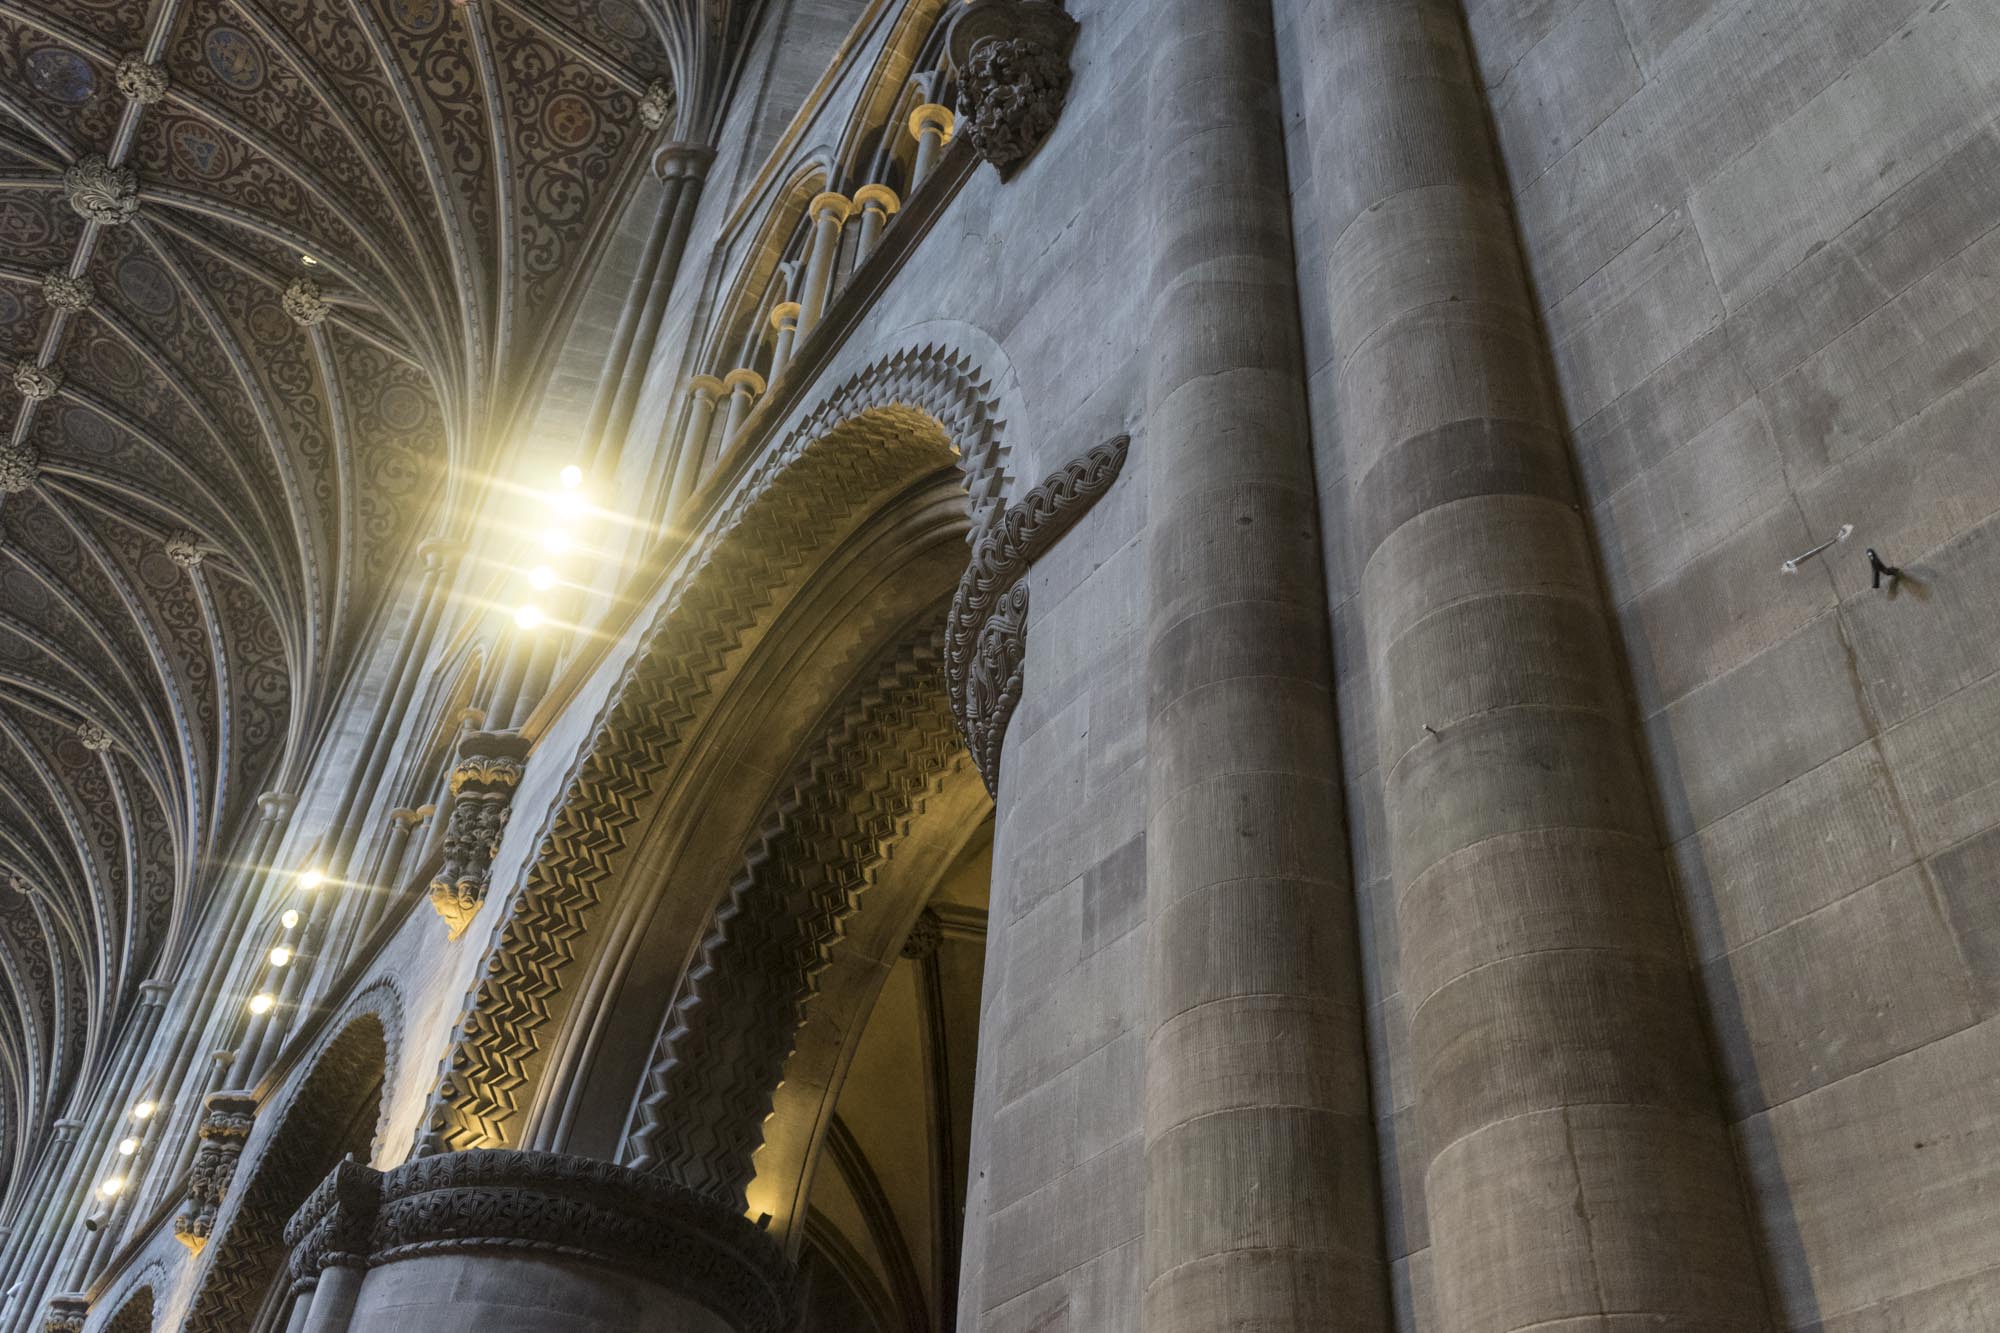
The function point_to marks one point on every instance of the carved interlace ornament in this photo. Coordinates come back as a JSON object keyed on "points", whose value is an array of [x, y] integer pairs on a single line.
{"points": [[184, 549], [1013, 76], [143, 83], [226, 1119], [580, 1210], [37, 383], [63, 292], [656, 105], [303, 302], [101, 192], [93, 737], [988, 630], [489, 768], [66, 1314], [20, 464]]}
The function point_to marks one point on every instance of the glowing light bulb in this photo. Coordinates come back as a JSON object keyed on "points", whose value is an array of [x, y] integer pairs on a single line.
{"points": [[312, 879], [555, 541], [289, 919], [261, 1002], [280, 956], [527, 617], [144, 1111], [569, 504], [113, 1187], [126, 1147], [571, 477], [542, 577]]}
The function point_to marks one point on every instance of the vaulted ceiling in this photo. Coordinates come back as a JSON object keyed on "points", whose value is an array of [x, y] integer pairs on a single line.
{"points": [[259, 325]]}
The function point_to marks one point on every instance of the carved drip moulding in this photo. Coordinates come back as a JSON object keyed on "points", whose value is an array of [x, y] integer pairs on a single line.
{"points": [[490, 764], [1013, 76], [986, 640], [577, 1209], [226, 1121]]}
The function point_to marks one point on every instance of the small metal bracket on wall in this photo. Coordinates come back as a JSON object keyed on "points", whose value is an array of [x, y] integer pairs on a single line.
{"points": [[1792, 566], [1880, 570]]}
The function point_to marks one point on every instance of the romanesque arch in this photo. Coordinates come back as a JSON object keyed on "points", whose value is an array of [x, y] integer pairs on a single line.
{"points": [[334, 1109], [923, 412]]}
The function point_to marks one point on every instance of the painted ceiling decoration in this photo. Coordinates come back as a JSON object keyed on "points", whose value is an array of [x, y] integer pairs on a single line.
{"points": [[275, 276]]}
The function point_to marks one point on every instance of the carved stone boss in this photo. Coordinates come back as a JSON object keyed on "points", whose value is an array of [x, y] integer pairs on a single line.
{"points": [[986, 636], [490, 764], [574, 1208], [1013, 75], [226, 1120]]}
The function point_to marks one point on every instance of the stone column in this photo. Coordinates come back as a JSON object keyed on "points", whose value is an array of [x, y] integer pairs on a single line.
{"points": [[1579, 1171], [703, 391], [1261, 1200], [829, 213], [931, 126], [785, 319], [682, 169], [519, 1242], [878, 203], [47, 1218], [745, 387]]}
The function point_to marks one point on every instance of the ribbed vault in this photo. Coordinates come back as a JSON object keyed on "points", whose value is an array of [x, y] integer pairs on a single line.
{"points": [[275, 276]]}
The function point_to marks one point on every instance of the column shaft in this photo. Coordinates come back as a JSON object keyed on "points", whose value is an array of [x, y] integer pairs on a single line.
{"points": [[1579, 1172], [829, 213], [702, 393], [1261, 1204]]}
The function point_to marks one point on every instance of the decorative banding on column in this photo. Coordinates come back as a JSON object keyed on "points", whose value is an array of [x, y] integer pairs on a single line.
{"points": [[1578, 1171], [582, 1210]]}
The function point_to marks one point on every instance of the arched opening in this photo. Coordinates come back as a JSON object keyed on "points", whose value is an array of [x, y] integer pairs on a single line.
{"points": [[886, 1197], [134, 1316], [329, 1114]]}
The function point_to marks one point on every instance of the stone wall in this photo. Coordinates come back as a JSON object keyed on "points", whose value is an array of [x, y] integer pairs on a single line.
{"points": [[1760, 234]]}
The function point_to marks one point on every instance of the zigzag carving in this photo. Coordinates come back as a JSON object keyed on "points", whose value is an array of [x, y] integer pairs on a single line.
{"points": [[723, 1049], [986, 632], [901, 418]]}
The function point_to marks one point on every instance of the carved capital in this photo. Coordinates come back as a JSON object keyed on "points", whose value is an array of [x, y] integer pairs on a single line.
{"points": [[20, 465], [986, 635], [143, 83], [303, 302], [101, 192], [184, 549], [93, 737], [1013, 63], [924, 936], [333, 1227], [226, 1121], [591, 1211], [63, 292], [37, 382], [66, 1314], [490, 765]]}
